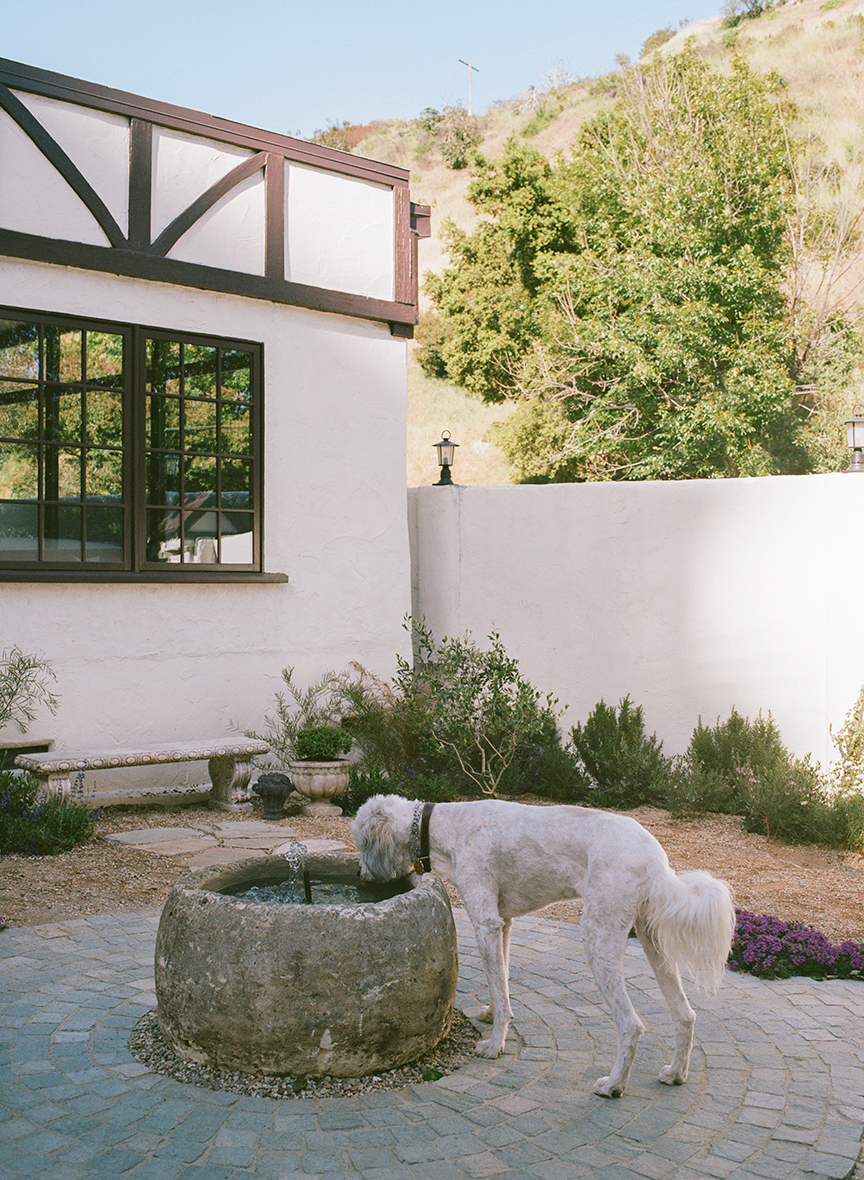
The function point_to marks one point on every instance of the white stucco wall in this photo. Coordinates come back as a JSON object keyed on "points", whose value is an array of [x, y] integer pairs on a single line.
{"points": [[155, 662], [693, 597], [339, 232]]}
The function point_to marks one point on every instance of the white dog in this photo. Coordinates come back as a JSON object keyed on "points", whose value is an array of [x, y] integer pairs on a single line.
{"points": [[508, 859]]}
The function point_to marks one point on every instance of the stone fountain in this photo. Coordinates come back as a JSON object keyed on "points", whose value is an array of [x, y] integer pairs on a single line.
{"points": [[252, 976]]}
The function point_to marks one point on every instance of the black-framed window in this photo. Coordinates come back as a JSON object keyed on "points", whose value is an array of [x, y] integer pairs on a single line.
{"points": [[124, 448]]}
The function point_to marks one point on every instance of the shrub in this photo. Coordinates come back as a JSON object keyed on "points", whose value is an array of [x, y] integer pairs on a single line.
{"points": [[23, 687], [739, 742], [693, 789], [774, 949], [458, 136], [34, 826], [794, 804], [847, 774], [433, 332], [362, 785], [742, 768], [321, 743], [457, 713], [623, 766], [299, 709], [550, 770]]}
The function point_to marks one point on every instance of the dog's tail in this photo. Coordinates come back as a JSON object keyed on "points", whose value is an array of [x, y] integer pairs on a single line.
{"points": [[691, 920]]}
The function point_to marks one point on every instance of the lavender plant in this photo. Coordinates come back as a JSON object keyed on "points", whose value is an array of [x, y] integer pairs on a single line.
{"points": [[36, 825], [771, 948]]}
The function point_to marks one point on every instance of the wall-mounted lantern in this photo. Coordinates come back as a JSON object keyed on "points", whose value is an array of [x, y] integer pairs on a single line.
{"points": [[446, 451], [855, 434]]}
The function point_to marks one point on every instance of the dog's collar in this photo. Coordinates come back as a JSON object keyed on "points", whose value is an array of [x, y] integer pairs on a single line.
{"points": [[419, 846]]}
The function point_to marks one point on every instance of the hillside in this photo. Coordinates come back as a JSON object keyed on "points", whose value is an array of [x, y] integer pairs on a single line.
{"points": [[817, 48]]}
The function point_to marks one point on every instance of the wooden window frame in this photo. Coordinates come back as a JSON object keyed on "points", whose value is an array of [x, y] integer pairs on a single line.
{"points": [[135, 566]]}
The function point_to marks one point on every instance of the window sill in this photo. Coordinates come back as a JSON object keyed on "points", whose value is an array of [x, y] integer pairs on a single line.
{"points": [[196, 578]]}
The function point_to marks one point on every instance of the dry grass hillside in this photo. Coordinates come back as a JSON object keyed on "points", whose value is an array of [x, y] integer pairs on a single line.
{"points": [[818, 50]]}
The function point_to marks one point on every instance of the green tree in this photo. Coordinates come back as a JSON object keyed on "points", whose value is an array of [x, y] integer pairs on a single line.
{"points": [[630, 296]]}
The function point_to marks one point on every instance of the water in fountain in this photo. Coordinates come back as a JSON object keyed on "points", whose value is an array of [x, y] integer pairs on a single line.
{"points": [[298, 886], [295, 888]]}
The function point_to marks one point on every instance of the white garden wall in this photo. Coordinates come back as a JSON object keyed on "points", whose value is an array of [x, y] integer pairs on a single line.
{"points": [[693, 597]]}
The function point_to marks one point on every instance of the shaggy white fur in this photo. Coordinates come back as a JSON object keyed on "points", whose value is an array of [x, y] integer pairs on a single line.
{"points": [[508, 859]]}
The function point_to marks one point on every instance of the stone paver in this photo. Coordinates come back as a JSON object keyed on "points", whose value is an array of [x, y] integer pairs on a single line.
{"points": [[776, 1086], [220, 842]]}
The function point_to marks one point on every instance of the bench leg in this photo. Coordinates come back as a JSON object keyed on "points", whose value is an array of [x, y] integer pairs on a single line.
{"points": [[229, 775], [56, 784]]}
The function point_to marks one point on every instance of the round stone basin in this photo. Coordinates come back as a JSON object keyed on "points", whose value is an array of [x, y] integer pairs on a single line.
{"points": [[339, 988]]}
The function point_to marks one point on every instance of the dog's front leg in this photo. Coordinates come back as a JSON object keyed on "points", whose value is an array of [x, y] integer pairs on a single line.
{"points": [[487, 1015], [490, 934]]}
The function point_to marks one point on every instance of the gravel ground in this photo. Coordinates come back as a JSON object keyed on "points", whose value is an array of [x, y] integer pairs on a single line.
{"points": [[805, 883], [148, 1046]]}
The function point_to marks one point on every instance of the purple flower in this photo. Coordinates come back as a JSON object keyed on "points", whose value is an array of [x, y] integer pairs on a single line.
{"points": [[771, 948]]}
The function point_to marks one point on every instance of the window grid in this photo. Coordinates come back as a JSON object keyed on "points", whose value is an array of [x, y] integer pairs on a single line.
{"points": [[79, 447]]}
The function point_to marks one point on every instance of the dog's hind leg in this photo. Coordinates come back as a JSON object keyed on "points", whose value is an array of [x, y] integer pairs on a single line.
{"points": [[605, 941], [494, 951], [683, 1016], [487, 1015]]}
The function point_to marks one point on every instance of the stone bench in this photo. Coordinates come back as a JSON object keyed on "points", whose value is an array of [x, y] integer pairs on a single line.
{"points": [[229, 765]]}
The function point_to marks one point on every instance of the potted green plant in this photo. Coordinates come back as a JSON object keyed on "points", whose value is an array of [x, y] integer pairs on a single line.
{"points": [[320, 770]]}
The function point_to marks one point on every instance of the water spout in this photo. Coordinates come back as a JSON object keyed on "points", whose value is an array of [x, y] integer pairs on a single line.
{"points": [[296, 855]]}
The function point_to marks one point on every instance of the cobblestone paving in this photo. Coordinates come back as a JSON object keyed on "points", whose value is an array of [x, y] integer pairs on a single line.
{"points": [[776, 1089]]}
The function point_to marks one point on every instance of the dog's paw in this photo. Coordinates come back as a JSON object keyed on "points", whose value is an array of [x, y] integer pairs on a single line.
{"points": [[486, 1015], [604, 1087], [488, 1047], [670, 1076]]}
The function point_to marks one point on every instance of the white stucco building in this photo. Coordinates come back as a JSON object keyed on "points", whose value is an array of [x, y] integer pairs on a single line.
{"points": [[202, 331]]}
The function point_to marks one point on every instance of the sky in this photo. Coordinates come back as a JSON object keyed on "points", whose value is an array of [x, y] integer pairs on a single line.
{"points": [[297, 66]]}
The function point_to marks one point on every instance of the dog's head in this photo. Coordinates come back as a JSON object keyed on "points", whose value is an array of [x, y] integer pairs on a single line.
{"points": [[381, 831]]}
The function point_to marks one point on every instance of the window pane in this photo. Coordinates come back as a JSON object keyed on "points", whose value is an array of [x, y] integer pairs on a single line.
{"points": [[199, 370], [19, 471], [163, 479], [200, 476], [236, 547], [163, 366], [199, 426], [19, 410], [105, 359], [163, 535], [62, 353], [104, 474], [62, 414], [70, 474], [104, 412], [104, 533], [236, 483], [62, 533], [163, 422], [236, 375], [19, 529], [19, 349], [236, 434]]}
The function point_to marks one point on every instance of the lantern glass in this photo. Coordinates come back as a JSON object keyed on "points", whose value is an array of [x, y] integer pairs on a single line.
{"points": [[855, 433], [446, 451]]}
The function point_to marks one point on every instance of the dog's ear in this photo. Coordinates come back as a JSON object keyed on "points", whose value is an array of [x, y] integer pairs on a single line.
{"points": [[372, 830]]}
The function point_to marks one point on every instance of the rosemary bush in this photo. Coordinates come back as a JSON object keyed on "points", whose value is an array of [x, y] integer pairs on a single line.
{"points": [[623, 766]]}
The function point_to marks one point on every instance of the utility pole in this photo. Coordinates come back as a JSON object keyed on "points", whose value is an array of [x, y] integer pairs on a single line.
{"points": [[476, 71]]}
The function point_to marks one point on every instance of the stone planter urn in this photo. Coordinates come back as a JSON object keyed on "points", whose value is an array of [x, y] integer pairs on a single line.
{"points": [[320, 782]]}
